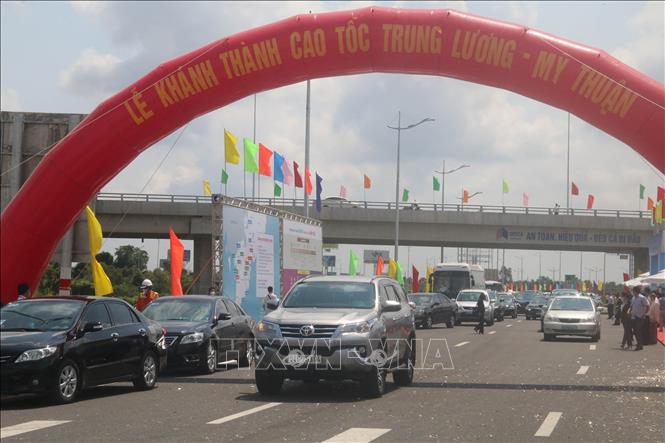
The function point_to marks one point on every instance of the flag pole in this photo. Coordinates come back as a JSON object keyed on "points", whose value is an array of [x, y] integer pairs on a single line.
{"points": [[226, 173], [254, 141], [307, 112], [568, 171]]}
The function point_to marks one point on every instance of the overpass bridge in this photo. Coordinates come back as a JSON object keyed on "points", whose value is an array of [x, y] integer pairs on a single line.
{"points": [[471, 226]]}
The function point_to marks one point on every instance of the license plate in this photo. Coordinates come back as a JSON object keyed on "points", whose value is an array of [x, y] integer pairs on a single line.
{"points": [[296, 358], [569, 327]]}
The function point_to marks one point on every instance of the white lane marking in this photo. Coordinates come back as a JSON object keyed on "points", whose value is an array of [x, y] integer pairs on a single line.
{"points": [[492, 332], [461, 344], [508, 326], [357, 435], [582, 370], [29, 426], [545, 429], [519, 321], [219, 421], [228, 362], [592, 347]]}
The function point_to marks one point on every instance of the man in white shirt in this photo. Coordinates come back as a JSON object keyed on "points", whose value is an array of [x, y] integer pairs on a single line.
{"points": [[610, 306], [270, 298], [639, 307]]}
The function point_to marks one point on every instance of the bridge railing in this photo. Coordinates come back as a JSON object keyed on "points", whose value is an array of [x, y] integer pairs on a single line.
{"points": [[299, 203]]}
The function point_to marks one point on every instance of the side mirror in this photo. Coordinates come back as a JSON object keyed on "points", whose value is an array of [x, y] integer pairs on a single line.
{"points": [[435, 304], [93, 326], [412, 304], [272, 304], [391, 306], [224, 316]]}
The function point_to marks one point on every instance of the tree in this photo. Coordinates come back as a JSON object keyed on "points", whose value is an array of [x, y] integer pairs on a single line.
{"points": [[131, 257], [105, 257], [50, 283]]}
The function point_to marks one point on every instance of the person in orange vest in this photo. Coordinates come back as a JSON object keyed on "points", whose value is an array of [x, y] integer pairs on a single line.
{"points": [[146, 296]]}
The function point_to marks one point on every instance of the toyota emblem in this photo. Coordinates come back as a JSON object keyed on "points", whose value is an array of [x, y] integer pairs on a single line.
{"points": [[307, 330]]}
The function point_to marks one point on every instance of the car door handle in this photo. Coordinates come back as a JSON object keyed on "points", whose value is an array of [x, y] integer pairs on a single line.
{"points": [[115, 336], [142, 332]]}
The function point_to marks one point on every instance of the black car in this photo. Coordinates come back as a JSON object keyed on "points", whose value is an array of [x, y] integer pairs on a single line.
{"points": [[499, 308], [432, 308], [61, 345], [509, 304], [524, 299], [535, 308], [203, 331]]}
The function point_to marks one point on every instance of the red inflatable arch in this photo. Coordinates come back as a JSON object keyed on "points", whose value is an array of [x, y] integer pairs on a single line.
{"points": [[584, 81]]}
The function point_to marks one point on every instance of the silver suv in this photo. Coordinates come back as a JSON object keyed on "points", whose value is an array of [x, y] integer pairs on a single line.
{"points": [[337, 327]]}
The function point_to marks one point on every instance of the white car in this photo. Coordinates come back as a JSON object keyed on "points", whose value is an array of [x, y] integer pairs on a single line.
{"points": [[339, 202], [572, 315], [467, 300]]}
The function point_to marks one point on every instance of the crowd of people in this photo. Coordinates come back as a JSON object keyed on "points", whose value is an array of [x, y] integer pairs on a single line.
{"points": [[641, 312]]}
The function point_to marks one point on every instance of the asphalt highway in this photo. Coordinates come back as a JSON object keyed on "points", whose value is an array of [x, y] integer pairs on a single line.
{"points": [[505, 386]]}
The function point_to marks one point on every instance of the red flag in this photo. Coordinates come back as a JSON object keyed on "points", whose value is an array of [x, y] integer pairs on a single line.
{"points": [[626, 276], [579, 285], [177, 255], [308, 182], [297, 176], [525, 199], [265, 155], [368, 182], [589, 202], [465, 196], [415, 285], [379, 265], [650, 204], [574, 189], [660, 196]]}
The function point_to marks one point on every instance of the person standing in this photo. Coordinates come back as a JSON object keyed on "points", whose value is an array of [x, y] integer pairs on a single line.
{"points": [[270, 298], [610, 306], [661, 300], [618, 304], [146, 296], [23, 291], [638, 310], [480, 310], [652, 318], [627, 341]]}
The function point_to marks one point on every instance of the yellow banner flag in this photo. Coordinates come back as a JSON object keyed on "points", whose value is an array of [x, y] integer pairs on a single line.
{"points": [[392, 268], [231, 154], [427, 276], [206, 188], [659, 212], [100, 279], [600, 285]]}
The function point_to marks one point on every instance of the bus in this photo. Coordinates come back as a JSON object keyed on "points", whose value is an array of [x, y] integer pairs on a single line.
{"points": [[450, 278], [497, 286]]}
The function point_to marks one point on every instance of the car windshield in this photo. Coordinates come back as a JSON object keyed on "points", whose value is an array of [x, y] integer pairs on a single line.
{"points": [[571, 304], [40, 315], [421, 299], [528, 296], [179, 308], [331, 295], [492, 296], [505, 298], [468, 296], [539, 301], [564, 292]]}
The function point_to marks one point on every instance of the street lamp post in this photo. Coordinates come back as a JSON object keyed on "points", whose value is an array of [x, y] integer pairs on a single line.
{"points": [[443, 173], [399, 129]]}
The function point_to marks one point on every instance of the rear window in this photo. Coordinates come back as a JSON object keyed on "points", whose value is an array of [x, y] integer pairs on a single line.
{"points": [[331, 295], [469, 296]]}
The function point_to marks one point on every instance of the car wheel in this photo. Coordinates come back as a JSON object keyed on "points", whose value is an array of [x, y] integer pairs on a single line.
{"points": [[268, 382], [549, 337], [428, 322], [210, 359], [247, 356], [404, 377], [67, 382], [148, 376], [375, 382], [452, 321]]}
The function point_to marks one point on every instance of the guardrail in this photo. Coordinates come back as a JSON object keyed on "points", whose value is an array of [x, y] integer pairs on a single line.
{"points": [[299, 203]]}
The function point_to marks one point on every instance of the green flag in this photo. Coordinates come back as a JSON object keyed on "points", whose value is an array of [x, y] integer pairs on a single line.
{"points": [[251, 156], [505, 187], [278, 190], [642, 189], [225, 177], [399, 275], [435, 184], [405, 195], [353, 263]]}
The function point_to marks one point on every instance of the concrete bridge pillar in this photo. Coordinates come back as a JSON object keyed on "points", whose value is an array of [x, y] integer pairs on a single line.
{"points": [[202, 264], [641, 261]]}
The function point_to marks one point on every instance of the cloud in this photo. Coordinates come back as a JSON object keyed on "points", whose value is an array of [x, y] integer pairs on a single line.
{"points": [[9, 100], [91, 73]]}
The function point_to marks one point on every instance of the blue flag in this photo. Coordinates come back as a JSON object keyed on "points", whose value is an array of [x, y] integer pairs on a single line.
{"points": [[318, 192], [278, 170]]}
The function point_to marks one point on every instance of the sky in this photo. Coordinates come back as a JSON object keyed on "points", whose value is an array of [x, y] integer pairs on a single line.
{"points": [[67, 57]]}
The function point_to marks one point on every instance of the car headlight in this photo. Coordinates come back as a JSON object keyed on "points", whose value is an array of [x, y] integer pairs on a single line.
{"points": [[362, 327], [36, 354], [268, 329], [192, 338], [550, 317]]}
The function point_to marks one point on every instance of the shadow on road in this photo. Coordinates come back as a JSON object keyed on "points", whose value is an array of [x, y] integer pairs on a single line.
{"points": [[323, 392], [34, 401], [540, 387]]}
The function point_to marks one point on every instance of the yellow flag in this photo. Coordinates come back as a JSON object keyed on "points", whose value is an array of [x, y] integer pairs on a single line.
{"points": [[231, 154], [392, 268], [100, 279], [600, 285], [427, 276], [206, 188], [659, 212]]}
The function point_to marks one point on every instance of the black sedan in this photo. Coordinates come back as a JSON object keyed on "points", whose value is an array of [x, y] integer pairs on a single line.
{"points": [[203, 331], [509, 304], [61, 345], [535, 308], [432, 308], [499, 308]]}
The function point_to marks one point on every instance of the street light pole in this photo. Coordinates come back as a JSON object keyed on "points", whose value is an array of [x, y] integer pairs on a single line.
{"points": [[399, 129], [443, 173]]}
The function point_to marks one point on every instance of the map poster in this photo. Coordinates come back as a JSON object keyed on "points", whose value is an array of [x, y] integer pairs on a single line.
{"points": [[251, 257], [302, 251]]}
